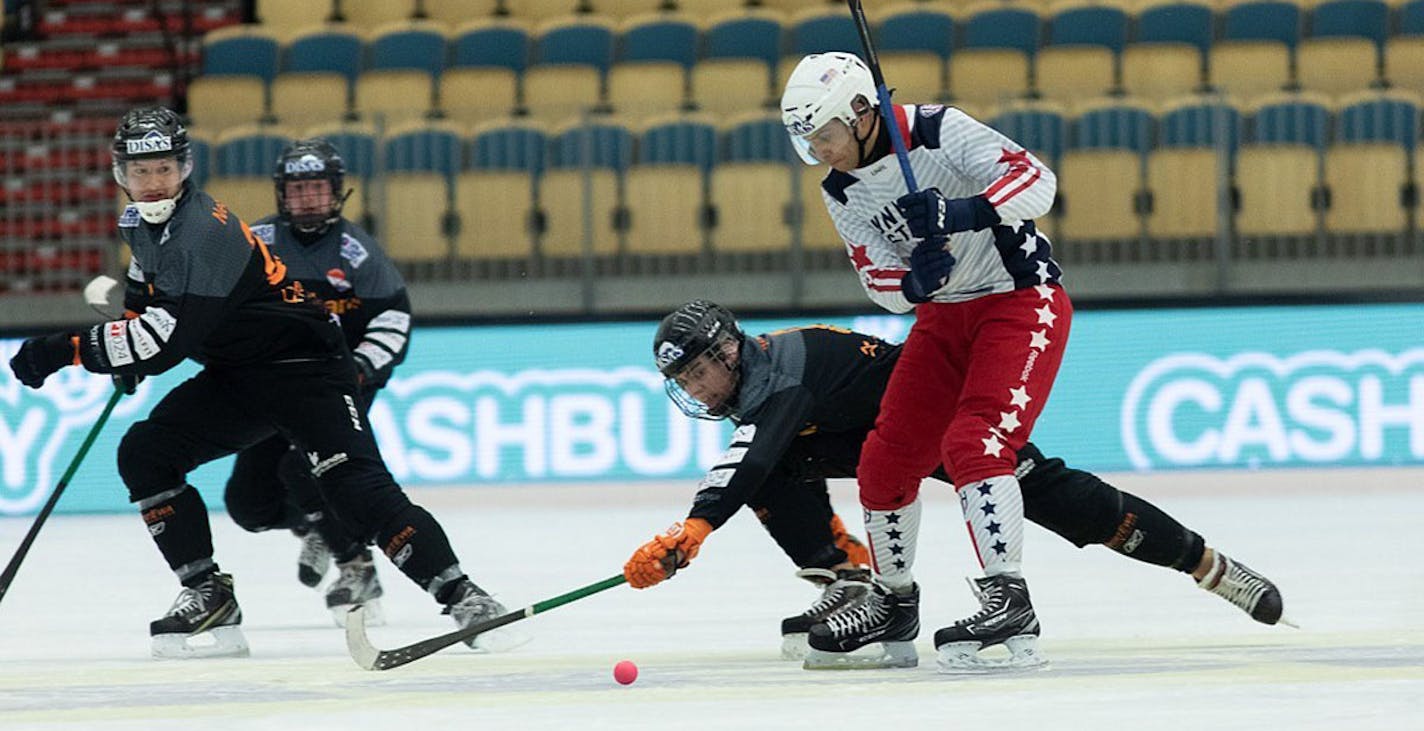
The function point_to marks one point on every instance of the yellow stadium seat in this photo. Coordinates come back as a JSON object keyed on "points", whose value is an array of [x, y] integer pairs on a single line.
{"points": [[1336, 66], [368, 14], [284, 16], [1274, 185], [818, 232], [415, 208], [250, 197], [987, 76], [1161, 70], [557, 92], [708, 8], [221, 102], [1404, 62], [1071, 73], [625, 8], [730, 85], [917, 78], [665, 204], [1247, 69], [496, 209], [647, 88], [1090, 209], [561, 199], [750, 200], [1182, 209], [395, 95], [472, 95], [538, 10], [309, 98], [1366, 181], [452, 13]]}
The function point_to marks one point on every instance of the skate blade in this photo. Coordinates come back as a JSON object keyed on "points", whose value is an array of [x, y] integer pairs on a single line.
{"points": [[374, 616], [794, 646], [217, 642], [967, 658], [874, 656], [503, 639]]}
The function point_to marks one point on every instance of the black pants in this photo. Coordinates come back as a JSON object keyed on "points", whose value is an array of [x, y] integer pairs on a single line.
{"points": [[271, 488], [312, 405]]}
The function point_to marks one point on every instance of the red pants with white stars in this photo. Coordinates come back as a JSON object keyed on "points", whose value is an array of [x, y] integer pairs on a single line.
{"points": [[971, 380]]}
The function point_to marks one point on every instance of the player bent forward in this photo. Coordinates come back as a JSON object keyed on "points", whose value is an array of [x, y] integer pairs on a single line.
{"points": [[803, 401]]}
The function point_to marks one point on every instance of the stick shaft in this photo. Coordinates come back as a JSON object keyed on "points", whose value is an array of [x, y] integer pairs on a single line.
{"points": [[13, 568], [887, 112]]}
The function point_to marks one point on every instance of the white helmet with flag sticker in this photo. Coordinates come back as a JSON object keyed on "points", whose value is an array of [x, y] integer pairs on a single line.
{"points": [[823, 88]]}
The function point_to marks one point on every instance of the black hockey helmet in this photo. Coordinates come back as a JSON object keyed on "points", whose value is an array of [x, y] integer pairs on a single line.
{"points": [[148, 133], [311, 159], [696, 329]]}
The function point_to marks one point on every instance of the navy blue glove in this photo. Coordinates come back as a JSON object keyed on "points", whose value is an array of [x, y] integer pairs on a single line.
{"points": [[928, 213], [930, 267], [41, 356]]}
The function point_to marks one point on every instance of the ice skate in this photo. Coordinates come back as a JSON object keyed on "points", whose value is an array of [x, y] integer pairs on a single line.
{"points": [[208, 613], [1253, 593], [471, 605], [356, 584], [1005, 618], [315, 557], [875, 630], [837, 589]]}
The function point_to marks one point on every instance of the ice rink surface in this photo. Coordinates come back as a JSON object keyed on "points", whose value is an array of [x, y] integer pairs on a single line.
{"points": [[1132, 646]]}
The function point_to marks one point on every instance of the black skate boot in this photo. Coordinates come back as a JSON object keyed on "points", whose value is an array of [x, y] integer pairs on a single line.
{"points": [[1005, 618], [878, 617], [315, 557], [837, 589], [356, 584], [209, 609], [1253, 593], [471, 605]]}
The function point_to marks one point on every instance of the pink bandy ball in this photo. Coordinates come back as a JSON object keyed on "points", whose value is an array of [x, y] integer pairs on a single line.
{"points": [[625, 672]]}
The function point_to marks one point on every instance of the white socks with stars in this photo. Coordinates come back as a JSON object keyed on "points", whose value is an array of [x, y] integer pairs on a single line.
{"points": [[893, 534], [993, 512]]}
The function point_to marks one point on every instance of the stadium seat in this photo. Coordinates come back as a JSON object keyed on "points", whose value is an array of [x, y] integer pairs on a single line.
{"points": [[202, 148], [1041, 127], [393, 96], [1262, 20], [913, 28], [1278, 169], [744, 34], [1080, 58], [1108, 141], [423, 147], [491, 42], [1087, 22], [988, 76], [412, 223], [585, 169], [455, 13], [495, 195], [666, 186], [305, 99], [1248, 69], [357, 144], [655, 52], [538, 11], [1004, 27], [741, 51], [751, 186], [284, 16], [1411, 18], [1168, 54], [478, 94], [409, 45], [240, 50], [1367, 168], [406, 59], [818, 232], [914, 77], [370, 14], [819, 29], [658, 37], [572, 55], [1337, 65], [324, 49], [1404, 62], [1175, 21], [249, 150], [1367, 19], [218, 103], [250, 197], [1188, 177], [707, 8]]}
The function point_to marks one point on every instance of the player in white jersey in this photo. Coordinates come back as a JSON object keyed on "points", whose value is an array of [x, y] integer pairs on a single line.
{"points": [[991, 323]]}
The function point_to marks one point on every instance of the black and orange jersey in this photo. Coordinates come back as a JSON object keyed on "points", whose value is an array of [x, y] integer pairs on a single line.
{"points": [[202, 286], [354, 279], [795, 384]]}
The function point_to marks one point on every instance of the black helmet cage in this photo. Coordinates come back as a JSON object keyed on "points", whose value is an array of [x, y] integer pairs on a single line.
{"points": [[150, 133], [696, 329], [311, 159]]}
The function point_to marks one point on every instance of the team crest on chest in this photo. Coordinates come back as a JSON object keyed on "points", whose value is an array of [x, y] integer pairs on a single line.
{"points": [[337, 278], [352, 251], [129, 218]]}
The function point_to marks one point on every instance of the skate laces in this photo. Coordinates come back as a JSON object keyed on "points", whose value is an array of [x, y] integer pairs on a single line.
{"points": [[193, 601], [474, 606], [1237, 584], [314, 551], [870, 610], [991, 596]]}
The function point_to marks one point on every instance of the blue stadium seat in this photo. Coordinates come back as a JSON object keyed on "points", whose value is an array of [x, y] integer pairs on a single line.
{"points": [[678, 142], [491, 42], [581, 41], [245, 152], [202, 152], [586, 162], [1379, 117], [1122, 126], [1190, 133], [1199, 124], [1350, 18], [356, 144], [1411, 18], [659, 38], [1367, 170], [408, 46], [509, 146], [823, 29], [1009, 28], [1294, 119], [1176, 22], [326, 49], [915, 28], [1095, 25], [1263, 20], [240, 50], [753, 34], [598, 145], [756, 139], [423, 148], [1040, 128], [666, 187]]}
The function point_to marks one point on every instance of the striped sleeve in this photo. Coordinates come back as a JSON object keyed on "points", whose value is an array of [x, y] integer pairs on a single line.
{"points": [[1015, 182], [877, 263], [386, 339]]}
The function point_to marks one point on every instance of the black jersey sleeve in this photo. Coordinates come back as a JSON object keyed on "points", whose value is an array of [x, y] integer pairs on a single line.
{"points": [[185, 300], [755, 449], [384, 311]]}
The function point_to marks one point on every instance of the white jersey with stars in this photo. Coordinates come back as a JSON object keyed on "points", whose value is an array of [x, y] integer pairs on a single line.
{"points": [[962, 157]]}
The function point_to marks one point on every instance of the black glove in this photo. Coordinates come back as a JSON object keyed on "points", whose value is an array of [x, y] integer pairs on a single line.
{"points": [[930, 267], [127, 384], [364, 372], [41, 356], [928, 213]]}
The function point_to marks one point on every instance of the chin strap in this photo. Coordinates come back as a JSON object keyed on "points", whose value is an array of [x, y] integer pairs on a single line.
{"points": [[158, 211]]}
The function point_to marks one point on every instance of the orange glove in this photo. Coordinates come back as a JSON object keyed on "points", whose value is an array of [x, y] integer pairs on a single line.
{"points": [[661, 557]]}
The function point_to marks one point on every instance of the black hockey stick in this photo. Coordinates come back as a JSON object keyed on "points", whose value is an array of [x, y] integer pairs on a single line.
{"points": [[13, 567], [887, 113], [370, 658]]}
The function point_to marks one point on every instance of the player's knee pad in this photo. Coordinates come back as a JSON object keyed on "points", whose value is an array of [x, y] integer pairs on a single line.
{"points": [[143, 465]]}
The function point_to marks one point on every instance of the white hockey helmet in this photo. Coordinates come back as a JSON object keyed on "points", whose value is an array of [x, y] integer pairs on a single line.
{"points": [[823, 88]]}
